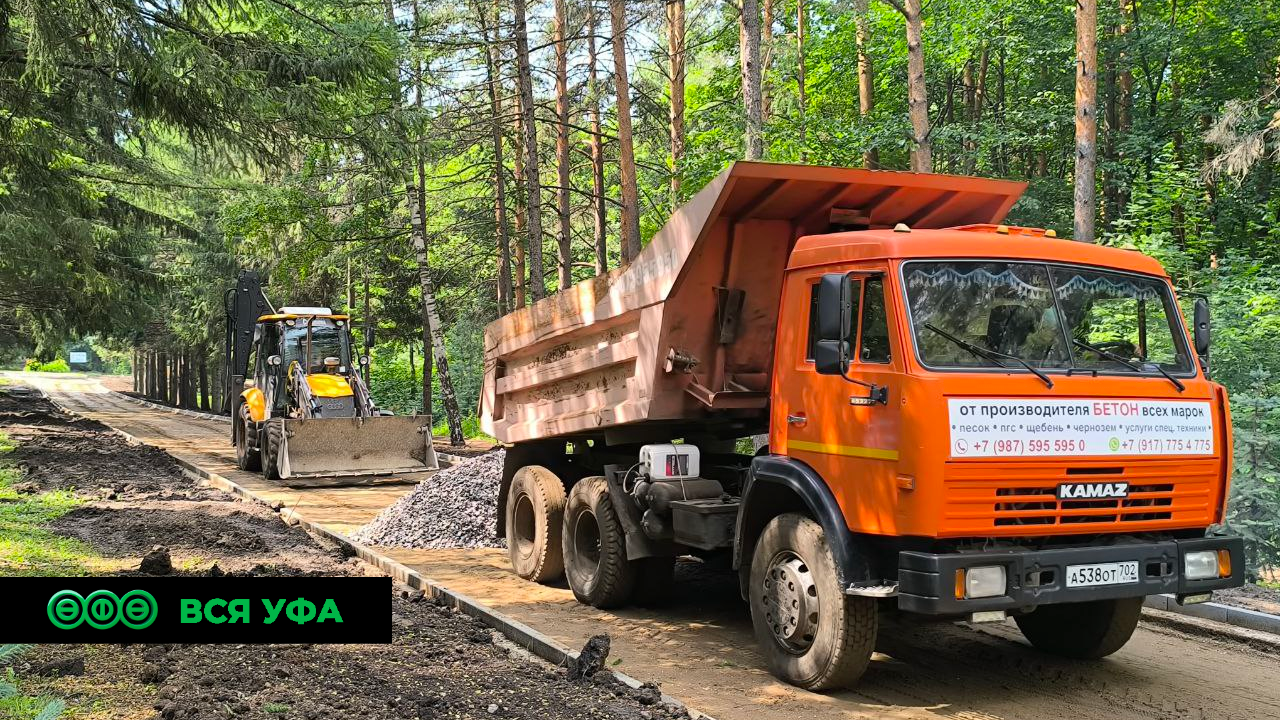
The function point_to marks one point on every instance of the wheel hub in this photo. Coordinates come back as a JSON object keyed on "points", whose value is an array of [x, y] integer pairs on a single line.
{"points": [[791, 602]]}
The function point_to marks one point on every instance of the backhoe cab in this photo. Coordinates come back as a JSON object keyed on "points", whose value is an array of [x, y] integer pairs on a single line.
{"points": [[303, 409]]}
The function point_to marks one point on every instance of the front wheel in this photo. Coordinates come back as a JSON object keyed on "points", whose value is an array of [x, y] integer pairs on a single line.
{"points": [[271, 445], [247, 457], [1087, 630], [812, 634]]}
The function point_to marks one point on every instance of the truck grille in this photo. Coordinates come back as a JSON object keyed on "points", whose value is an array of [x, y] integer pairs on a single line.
{"points": [[1009, 498]]}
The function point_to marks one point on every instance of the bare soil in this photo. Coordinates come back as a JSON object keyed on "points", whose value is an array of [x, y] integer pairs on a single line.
{"points": [[1251, 597], [441, 664]]}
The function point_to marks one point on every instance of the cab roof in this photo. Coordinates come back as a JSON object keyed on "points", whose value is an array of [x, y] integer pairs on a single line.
{"points": [[972, 241], [294, 316]]}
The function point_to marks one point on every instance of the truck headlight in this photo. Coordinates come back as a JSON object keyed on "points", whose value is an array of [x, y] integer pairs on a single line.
{"points": [[1200, 565], [980, 582]]}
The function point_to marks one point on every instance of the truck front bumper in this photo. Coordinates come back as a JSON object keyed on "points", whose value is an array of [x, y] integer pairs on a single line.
{"points": [[927, 581]]}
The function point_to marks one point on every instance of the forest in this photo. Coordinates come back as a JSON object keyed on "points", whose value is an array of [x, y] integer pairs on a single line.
{"points": [[429, 165]]}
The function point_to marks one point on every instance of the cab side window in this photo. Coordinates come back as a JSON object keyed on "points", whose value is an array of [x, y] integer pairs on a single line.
{"points": [[874, 343], [813, 317]]}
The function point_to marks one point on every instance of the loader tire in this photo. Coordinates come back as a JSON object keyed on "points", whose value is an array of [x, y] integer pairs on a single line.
{"points": [[595, 547], [534, 520], [1086, 631], [655, 579], [812, 634], [272, 437], [247, 455]]}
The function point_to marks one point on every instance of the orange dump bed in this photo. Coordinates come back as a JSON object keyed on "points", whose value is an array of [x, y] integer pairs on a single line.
{"points": [[684, 335]]}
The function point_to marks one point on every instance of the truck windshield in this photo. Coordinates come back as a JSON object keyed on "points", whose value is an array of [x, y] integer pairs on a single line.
{"points": [[1048, 316]]}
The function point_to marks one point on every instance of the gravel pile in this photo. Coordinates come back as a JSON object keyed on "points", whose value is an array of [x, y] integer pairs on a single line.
{"points": [[455, 508]]}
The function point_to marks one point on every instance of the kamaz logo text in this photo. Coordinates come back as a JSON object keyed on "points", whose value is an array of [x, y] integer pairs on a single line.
{"points": [[1093, 491]]}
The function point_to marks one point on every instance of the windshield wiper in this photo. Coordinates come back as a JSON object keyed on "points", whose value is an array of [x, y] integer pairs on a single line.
{"points": [[1128, 363], [992, 355]]}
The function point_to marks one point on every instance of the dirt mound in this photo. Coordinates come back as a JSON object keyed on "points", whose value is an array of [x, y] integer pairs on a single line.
{"points": [[60, 451], [455, 508], [236, 535], [442, 665]]}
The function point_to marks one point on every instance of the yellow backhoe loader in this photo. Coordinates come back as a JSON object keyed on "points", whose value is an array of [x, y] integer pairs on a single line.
{"points": [[300, 410]]}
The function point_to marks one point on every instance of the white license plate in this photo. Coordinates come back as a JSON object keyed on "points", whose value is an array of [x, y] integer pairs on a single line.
{"points": [[1117, 573]]}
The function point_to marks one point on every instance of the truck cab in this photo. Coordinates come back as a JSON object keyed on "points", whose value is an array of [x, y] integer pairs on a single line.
{"points": [[989, 393]]}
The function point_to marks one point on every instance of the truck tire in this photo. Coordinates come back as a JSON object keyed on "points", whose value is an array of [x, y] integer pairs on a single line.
{"points": [[1087, 630], [534, 519], [247, 456], [655, 579], [812, 634], [595, 547], [272, 437]]}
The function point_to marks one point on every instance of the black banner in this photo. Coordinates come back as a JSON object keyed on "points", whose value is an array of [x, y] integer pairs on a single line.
{"points": [[197, 610]]}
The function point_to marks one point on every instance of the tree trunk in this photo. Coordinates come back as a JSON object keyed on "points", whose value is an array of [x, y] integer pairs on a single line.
{"points": [[917, 92], [133, 367], [492, 63], [802, 99], [432, 332], [204, 381], [1086, 118], [749, 58], [564, 237], [521, 197], [766, 54], [533, 208], [599, 211], [626, 148], [675, 51], [866, 76]]}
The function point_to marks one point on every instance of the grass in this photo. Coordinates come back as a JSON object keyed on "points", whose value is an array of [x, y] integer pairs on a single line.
{"points": [[274, 708], [27, 548], [14, 703]]}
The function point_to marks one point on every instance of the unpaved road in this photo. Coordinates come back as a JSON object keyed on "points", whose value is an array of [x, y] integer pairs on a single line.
{"points": [[440, 664], [700, 649]]}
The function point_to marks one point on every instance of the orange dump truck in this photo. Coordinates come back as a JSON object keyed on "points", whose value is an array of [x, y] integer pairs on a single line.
{"points": [[965, 420]]}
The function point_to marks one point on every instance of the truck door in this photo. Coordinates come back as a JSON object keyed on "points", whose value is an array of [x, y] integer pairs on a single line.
{"points": [[826, 421]]}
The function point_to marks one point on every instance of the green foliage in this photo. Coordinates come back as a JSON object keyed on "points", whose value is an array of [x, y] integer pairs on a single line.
{"points": [[57, 365], [26, 547]]}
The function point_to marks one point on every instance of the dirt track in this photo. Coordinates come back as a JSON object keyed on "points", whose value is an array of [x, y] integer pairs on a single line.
{"points": [[701, 650]]}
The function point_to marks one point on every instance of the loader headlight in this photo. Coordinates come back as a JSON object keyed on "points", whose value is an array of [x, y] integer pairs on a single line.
{"points": [[1200, 565]]}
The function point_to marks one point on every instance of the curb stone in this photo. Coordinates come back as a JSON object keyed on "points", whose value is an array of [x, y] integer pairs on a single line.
{"points": [[526, 637], [1218, 612]]}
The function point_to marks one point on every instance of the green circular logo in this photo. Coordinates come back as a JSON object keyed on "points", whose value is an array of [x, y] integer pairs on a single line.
{"points": [[66, 609], [102, 609], [1114, 444], [138, 609]]}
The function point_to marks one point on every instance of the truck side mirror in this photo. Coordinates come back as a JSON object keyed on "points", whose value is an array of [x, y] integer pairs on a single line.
{"points": [[835, 316], [1200, 331]]}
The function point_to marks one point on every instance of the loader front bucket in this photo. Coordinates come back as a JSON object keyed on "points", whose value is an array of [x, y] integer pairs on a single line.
{"points": [[343, 447]]}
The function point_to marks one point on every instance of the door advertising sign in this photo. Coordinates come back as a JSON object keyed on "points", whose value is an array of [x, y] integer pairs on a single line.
{"points": [[1033, 428]]}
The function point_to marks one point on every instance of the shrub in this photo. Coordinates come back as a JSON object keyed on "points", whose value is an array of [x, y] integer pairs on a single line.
{"points": [[31, 365], [54, 366]]}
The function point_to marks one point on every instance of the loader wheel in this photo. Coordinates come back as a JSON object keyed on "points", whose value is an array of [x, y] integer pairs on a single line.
{"points": [[1087, 630], [247, 457], [534, 518], [274, 432], [595, 548], [812, 634]]}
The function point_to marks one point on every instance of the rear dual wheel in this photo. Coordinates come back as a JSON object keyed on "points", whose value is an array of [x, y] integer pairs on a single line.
{"points": [[534, 521]]}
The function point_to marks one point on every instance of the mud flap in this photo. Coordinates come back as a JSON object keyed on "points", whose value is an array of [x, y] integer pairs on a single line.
{"points": [[383, 445]]}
